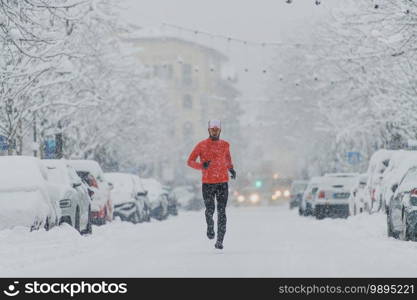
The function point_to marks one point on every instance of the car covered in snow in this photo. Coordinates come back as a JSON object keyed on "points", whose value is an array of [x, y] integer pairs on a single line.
{"points": [[129, 205], [400, 162], [402, 209], [332, 197], [379, 161], [101, 204], [157, 197], [357, 202], [189, 197], [296, 192], [306, 205], [26, 194], [72, 195]]}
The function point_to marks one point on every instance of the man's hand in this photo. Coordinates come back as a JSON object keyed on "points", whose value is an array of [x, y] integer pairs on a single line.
{"points": [[233, 173], [206, 164]]}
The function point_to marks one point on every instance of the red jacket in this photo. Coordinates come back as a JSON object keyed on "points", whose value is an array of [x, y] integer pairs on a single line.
{"points": [[218, 153]]}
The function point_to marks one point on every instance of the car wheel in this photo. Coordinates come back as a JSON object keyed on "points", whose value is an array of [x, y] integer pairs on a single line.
{"points": [[47, 225], [89, 227], [136, 216], [77, 219]]}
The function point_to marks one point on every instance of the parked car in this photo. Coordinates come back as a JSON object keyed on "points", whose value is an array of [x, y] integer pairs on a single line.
{"points": [[26, 194], [157, 197], [377, 164], [402, 209], [400, 162], [332, 197], [306, 205], [296, 192], [172, 200], [142, 193], [101, 204], [128, 204], [73, 197], [189, 197], [357, 202]]}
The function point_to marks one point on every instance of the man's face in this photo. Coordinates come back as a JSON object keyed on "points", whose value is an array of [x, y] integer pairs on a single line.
{"points": [[214, 131]]}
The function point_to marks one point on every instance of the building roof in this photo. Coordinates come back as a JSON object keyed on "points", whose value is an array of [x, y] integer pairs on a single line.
{"points": [[157, 35]]}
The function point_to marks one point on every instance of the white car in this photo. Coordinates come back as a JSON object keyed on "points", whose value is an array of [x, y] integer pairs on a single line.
{"points": [[71, 194], [357, 202], [26, 195], [128, 202], [332, 197], [379, 161], [158, 198], [400, 162], [101, 205]]}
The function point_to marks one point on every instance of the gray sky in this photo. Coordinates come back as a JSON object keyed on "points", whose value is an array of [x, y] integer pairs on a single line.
{"points": [[264, 20]]}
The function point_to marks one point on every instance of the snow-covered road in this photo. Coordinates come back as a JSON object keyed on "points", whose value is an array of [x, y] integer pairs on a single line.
{"points": [[260, 242]]}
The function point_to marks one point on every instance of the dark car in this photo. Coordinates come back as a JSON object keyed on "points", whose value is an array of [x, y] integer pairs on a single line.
{"points": [[402, 209]]}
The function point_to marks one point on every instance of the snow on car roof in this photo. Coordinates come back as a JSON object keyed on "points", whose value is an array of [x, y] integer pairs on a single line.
{"points": [[87, 165], [21, 171], [154, 188], [57, 170]]}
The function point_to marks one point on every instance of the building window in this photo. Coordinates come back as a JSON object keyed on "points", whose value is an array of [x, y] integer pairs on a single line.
{"points": [[187, 74], [187, 102]]}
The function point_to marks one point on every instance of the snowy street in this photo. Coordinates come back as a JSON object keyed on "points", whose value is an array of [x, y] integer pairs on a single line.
{"points": [[260, 242]]}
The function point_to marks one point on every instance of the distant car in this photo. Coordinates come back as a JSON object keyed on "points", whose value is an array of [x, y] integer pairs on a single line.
{"points": [[73, 198], [250, 196], [279, 190], [101, 205], [332, 197], [142, 193], [128, 204], [172, 200], [296, 192], [402, 209], [357, 202], [26, 194], [157, 197], [306, 205]]}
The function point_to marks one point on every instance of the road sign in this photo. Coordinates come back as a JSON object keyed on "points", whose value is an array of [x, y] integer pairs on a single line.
{"points": [[3, 143], [353, 158], [50, 148]]}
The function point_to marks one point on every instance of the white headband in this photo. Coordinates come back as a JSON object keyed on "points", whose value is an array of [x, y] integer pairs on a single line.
{"points": [[214, 123]]}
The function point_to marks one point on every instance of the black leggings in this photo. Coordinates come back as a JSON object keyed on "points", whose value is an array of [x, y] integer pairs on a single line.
{"points": [[221, 192]]}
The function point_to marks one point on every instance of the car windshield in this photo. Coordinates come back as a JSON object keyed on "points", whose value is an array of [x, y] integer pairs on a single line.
{"points": [[409, 182]]}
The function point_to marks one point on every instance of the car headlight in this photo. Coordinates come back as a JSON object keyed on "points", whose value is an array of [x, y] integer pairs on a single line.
{"points": [[254, 198], [274, 197], [286, 193], [278, 193], [241, 198], [65, 203]]}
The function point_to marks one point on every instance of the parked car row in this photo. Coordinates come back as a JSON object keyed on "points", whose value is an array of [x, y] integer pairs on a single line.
{"points": [[45, 193], [389, 186]]}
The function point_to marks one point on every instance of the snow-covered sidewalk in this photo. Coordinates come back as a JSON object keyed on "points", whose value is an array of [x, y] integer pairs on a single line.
{"points": [[260, 242]]}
